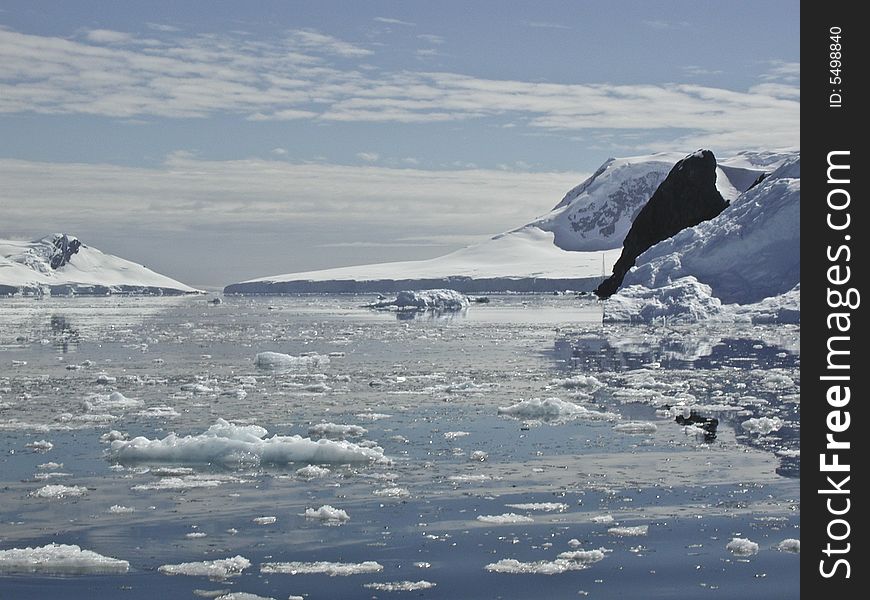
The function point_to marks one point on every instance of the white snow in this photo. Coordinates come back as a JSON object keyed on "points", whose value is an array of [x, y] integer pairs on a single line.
{"points": [[636, 427], [438, 299], [327, 513], [762, 425], [25, 267], [550, 409], [575, 560], [226, 443], [213, 569], [543, 506], [58, 491], [742, 547], [637, 530], [59, 559], [789, 545], [504, 519], [279, 362], [333, 569], [401, 586]]}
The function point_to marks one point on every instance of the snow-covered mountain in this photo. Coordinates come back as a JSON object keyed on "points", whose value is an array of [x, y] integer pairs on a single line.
{"points": [[571, 247], [60, 264], [743, 264]]}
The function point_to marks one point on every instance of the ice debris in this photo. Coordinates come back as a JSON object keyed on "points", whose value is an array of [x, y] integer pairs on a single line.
{"points": [[551, 409], [566, 561], [59, 559], [333, 569], [213, 569], [742, 547]]}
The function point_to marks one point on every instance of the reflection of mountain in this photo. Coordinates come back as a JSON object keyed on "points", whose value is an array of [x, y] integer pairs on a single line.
{"points": [[63, 333]]}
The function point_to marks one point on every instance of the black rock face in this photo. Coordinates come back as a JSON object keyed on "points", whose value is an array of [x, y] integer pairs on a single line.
{"points": [[65, 247], [686, 197]]}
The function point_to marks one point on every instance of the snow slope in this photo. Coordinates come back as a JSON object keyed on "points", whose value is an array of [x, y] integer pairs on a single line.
{"points": [[563, 249], [26, 267]]}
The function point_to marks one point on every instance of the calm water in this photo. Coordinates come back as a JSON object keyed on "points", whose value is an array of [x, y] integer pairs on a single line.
{"points": [[408, 382]]}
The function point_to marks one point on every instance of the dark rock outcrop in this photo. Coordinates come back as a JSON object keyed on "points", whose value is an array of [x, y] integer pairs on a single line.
{"points": [[65, 247], [686, 197]]}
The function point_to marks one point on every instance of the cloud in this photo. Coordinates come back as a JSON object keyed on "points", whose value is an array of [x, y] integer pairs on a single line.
{"points": [[546, 25], [279, 151], [696, 71], [431, 38], [107, 36], [368, 156], [294, 78], [391, 21], [310, 39]]}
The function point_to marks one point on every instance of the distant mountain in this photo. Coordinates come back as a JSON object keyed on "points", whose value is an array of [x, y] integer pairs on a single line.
{"points": [[571, 247], [60, 264]]}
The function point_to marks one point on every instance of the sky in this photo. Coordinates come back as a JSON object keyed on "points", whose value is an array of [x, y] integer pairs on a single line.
{"points": [[220, 141]]}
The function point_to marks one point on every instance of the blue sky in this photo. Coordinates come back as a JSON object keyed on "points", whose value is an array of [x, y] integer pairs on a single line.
{"points": [[218, 141]]}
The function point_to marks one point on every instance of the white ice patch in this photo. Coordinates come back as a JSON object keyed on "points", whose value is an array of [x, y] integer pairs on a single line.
{"points": [[117, 509], [637, 530], [55, 492], [188, 482], [196, 388], [264, 520], [762, 425], [542, 506], [742, 547], [213, 569], [113, 401], [636, 427], [226, 443], [39, 446], [312, 472], [327, 513], [504, 519], [335, 431], [586, 382], [452, 435], [789, 545], [113, 435], [59, 559], [392, 492], [160, 412], [566, 561], [278, 361], [602, 519], [333, 569], [551, 409], [242, 596], [425, 300], [400, 586]]}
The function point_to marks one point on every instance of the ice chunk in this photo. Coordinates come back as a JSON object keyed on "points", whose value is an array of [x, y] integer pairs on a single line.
{"points": [[54, 492], [281, 362], [264, 520], [789, 545], [194, 535], [602, 519], [629, 531], [479, 456], [226, 443], [332, 569], [335, 431], [543, 506], [242, 596], [742, 547], [401, 586], [312, 472], [579, 381], [504, 519], [327, 513], [117, 509], [566, 561], [636, 427], [40, 446], [762, 425], [425, 300], [392, 492], [213, 569], [196, 388], [452, 435], [551, 409], [59, 559]]}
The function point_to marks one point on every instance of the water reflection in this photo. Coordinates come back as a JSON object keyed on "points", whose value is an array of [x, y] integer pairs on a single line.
{"points": [[65, 337]]}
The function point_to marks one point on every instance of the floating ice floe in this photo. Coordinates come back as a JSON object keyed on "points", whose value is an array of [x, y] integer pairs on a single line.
{"points": [[115, 400], [504, 519], [164, 412], [401, 586], [392, 492], [327, 513], [188, 482], [59, 559], [333, 569], [468, 478], [117, 509], [789, 545], [479, 456], [452, 435], [312, 472], [602, 519], [586, 382], [57, 491], [742, 547], [39, 446], [195, 535], [196, 388], [425, 300], [226, 443], [551, 409], [213, 569], [113, 435], [566, 561], [335, 431], [637, 530], [264, 520], [762, 425], [542, 506], [243, 596], [278, 361], [636, 427]]}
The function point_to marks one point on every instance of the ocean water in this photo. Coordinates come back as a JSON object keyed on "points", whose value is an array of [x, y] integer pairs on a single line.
{"points": [[618, 467]]}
